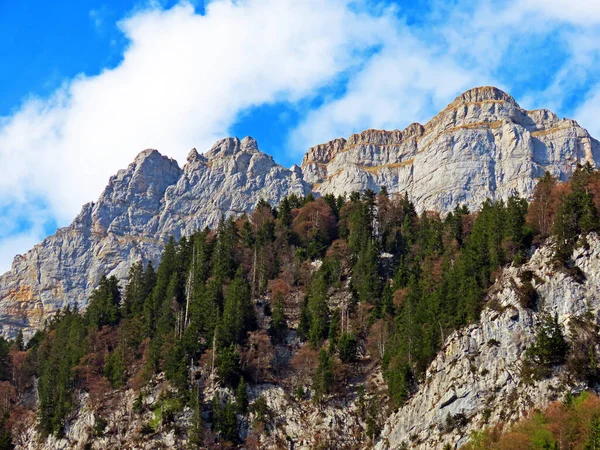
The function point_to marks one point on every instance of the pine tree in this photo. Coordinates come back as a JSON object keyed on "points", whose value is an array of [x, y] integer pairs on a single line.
{"points": [[228, 365], [104, 305], [318, 309], [365, 280], [196, 433], [241, 397], [223, 263], [550, 347], [155, 303], [238, 311], [115, 368], [6, 442], [593, 440], [347, 347], [278, 322], [323, 377], [176, 366], [56, 360], [5, 360], [135, 294]]}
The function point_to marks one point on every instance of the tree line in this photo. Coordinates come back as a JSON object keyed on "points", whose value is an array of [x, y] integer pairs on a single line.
{"points": [[412, 279]]}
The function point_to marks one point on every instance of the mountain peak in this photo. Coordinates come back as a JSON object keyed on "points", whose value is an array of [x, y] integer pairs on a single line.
{"points": [[485, 94], [231, 145]]}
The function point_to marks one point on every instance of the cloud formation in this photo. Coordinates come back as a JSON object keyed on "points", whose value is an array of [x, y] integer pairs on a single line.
{"points": [[185, 78]]}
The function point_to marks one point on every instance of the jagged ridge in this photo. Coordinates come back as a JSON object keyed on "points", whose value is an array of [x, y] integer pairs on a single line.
{"points": [[483, 145]]}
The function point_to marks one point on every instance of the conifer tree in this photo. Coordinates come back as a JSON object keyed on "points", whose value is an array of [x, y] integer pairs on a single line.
{"points": [[19, 341], [224, 264], [323, 377], [347, 347], [135, 294], [104, 304], [317, 308], [241, 397], [278, 321], [238, 312]]}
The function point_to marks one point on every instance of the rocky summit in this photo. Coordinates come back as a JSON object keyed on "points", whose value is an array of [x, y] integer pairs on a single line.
{"points": [[483, 145], [301, 315]]}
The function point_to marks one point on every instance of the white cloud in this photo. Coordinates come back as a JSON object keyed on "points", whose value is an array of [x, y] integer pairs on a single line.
{"points": [[463, 44], [183, 80], [578, 12], [404, 83]]}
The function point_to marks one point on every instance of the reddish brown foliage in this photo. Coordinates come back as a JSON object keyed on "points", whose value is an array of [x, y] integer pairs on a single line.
{"points": [[304, 363], [279, 286], [314, 217], [258, 355]]}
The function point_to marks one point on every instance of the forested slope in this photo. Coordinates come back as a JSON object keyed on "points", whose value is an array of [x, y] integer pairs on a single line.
{"points": [[329, 308]]}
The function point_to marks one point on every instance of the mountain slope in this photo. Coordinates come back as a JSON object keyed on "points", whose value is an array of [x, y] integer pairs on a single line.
{"points": [[478, 373], [483, 145], [137, 212]]}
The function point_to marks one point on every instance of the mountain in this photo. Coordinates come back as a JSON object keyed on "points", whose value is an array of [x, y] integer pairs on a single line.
{"points": [[483, 145]]}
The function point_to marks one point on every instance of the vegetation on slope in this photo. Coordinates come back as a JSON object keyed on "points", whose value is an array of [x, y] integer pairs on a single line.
{"points": [[218, 300], [571, 424]]}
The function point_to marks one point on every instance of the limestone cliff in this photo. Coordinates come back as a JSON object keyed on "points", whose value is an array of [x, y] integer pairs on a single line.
{"points": [[137, 212], [483, 145], [477, 372]]}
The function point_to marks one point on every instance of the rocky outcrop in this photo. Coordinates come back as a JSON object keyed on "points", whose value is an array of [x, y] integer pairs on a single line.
{"points": [[482, 145], [476, 376], [137, 212]]}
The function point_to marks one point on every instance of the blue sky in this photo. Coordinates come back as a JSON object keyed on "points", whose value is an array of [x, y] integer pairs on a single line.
{"points": [[87, 85]]}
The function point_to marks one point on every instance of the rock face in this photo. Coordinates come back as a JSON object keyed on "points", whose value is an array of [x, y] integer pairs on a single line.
{"points": [[477, 372], [137, 212], [483, 145]]}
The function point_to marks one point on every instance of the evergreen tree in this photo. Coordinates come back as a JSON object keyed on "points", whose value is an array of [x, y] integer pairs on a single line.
{"points": [[57, 356], [238, 312], [593, 440], [19, 341], [224, 264], [323, 377], [317, 307], [285, 213], [550, 347], [347, 347], [365, 279], [305, 320], [6, 442], [135, 292], [5, 360], [278, 322], [228, 365], [155, 303], [196, 433], [104, 304], [176, 366], [241, 397], [115, 368]]}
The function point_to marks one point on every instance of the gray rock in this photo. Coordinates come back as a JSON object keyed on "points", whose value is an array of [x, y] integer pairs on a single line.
{"points": [[477, 372], [141, 207], [483, 145]]}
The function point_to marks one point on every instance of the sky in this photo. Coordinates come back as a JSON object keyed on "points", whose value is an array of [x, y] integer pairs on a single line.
{"points": [[85, 86]]}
